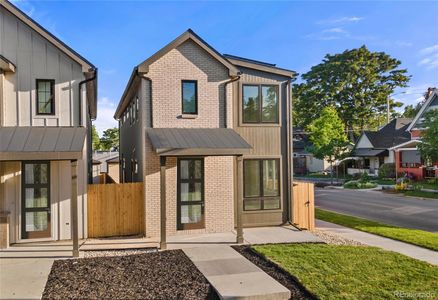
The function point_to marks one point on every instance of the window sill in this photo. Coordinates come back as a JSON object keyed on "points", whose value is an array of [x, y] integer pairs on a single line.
{"points": [[45, 116], [187, 116], [259, 125]]}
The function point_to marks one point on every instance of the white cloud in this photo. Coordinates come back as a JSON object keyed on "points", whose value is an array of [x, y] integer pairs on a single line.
{"points": [[429, 50], [334, 33], [429, 57], [342, 20], [105, 113], [336, 30]]}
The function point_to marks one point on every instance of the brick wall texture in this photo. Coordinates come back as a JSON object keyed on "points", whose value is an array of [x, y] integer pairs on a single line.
{"points": [[189, 62]]}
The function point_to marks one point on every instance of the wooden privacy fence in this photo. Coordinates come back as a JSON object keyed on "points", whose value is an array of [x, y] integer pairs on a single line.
{"points": [[115, 209], [303, 205]]}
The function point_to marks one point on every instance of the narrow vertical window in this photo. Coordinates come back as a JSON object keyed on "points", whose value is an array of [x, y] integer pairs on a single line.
{"points": [[45, 96], [189, 90], [251, 105]]}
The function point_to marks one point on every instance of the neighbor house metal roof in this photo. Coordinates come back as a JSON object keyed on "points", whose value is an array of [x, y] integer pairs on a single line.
{"points": [[197, 141], [365, 152], [50, 143]]}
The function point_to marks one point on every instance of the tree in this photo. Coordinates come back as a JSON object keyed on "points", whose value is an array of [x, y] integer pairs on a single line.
{"points": [[327, 134], [356, 82], [110, 139], [95, 138], [429, 138]]}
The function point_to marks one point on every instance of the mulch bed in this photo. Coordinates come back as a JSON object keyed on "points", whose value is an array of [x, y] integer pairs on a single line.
{"points": [[159, 275], [298, 291]]}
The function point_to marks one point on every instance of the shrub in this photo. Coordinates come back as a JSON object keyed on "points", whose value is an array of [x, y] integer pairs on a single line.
{"points": [[364, 177], [354, 184], [387, 170]]}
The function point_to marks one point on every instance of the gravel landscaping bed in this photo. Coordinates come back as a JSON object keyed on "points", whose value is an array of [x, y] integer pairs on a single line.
{"points": [[298, 291], [335, 239], [104, 253], [159, 275]]}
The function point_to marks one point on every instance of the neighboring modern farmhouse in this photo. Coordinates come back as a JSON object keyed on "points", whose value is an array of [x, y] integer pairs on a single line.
{"points": [[407, 156], [372, 147], [209, 135], [47, 102]]}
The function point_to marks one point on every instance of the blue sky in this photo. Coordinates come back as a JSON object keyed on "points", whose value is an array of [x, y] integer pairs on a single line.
{"points": [[117, 35]]}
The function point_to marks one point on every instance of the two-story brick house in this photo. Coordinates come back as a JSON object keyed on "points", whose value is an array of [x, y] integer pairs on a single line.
{"points": [[47, 102], [208, 135], [407, 156]]}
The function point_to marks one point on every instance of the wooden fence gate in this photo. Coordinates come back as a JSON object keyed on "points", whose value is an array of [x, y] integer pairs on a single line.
{"points": [[303, 205], [115, 209]]}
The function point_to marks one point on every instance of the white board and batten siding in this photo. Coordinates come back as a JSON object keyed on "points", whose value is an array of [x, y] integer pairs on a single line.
{"points": [[36, 58]]}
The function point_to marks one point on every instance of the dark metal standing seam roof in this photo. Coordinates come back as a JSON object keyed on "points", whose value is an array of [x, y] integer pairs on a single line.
{"points": [[197, 141], [48, 143]]}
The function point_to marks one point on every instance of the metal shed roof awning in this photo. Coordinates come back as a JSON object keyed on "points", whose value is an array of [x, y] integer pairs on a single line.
{"points": [[370, 152], [41, 143], [197, 141]]}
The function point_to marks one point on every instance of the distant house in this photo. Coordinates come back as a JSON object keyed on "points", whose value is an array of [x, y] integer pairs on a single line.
{"points": [[106, 163], [304, 161], [373, 147], [407, 156]]}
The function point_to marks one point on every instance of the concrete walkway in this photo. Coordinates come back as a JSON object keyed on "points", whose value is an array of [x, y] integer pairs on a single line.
{"points": [[413, 251], [233, 276], [23, 278]]}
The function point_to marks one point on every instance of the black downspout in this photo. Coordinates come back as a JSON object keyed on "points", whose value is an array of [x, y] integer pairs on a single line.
{"points": [[225, 97], [80, 94]]}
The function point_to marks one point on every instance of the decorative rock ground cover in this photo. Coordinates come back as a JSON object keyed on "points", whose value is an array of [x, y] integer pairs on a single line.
{"points": [[159, 275]]}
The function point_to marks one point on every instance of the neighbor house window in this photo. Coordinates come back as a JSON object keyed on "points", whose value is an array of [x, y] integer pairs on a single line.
{"points": [[261, 186], [260, 103], [45, 97], [189, 97]]}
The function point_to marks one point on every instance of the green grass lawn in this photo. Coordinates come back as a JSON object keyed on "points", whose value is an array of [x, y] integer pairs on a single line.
{"points": [[348, 272], [422, 194], [426, 185], [384, 181], [413, 236], [320, 175]]}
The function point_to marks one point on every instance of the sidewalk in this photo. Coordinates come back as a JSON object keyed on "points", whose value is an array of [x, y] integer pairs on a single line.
{"points": [[233, 276], [413, 251]]}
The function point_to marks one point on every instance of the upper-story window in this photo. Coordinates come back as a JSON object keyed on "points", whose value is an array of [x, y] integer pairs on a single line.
{"points": [[260, 103], [189, 97], [45, 97]]}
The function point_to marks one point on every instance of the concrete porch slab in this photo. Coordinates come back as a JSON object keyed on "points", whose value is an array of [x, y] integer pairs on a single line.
{"points": [[233, 276], [256, 235]]}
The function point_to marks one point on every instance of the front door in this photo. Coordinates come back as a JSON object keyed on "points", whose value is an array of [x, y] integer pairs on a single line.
{"points": [[190, 193], [35, 205]]}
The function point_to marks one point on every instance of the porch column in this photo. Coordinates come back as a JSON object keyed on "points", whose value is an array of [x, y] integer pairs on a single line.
{"points": [[74, 208], [163, 244], [239, 236]]}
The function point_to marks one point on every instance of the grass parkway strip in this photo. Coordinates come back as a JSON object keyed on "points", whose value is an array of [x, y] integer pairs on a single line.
{"points": [[413, 236], [351, 272]]}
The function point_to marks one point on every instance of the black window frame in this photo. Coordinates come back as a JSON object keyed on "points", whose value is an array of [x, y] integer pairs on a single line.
{"points": [[261, 195], [201, 224], [182, 96], [52, 100], [260, 104], [25, 234]]}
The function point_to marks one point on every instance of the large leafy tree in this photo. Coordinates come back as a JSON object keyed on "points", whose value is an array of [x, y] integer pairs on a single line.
{"points": [[429, 138], [95, 138], [110, 139], [328, 137], [356, 82]]}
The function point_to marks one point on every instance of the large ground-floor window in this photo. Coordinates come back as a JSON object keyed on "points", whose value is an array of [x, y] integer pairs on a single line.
{"points": [[261, 184], [190, 193]]}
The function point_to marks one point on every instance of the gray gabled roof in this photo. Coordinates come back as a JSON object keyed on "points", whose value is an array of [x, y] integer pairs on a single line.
{"points": [[49, 143], [390, 135], [197, 141]]}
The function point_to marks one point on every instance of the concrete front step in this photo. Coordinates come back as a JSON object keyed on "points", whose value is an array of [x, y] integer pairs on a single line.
{"points": [[233, 276]]}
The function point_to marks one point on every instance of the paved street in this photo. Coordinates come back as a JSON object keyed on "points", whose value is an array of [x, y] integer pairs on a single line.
{"points": [[386, 208]]}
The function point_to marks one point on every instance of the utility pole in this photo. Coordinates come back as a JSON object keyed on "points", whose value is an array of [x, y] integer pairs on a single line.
{"points": [[387, 109]]}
